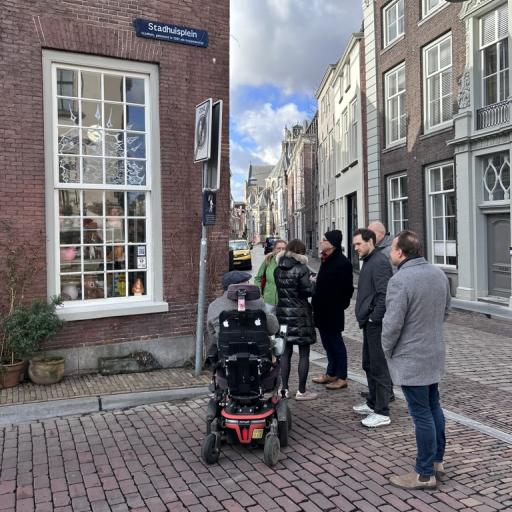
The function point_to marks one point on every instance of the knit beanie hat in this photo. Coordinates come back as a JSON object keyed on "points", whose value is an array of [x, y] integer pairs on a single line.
{"points": [[334, 237]]}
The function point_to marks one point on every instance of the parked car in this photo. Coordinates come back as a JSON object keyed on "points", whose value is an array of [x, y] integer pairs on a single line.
{"points": [[241, 255], [268, 246]]}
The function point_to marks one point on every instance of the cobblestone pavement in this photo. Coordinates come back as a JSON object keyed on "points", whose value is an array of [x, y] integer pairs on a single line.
{"points": [[147, 458]]}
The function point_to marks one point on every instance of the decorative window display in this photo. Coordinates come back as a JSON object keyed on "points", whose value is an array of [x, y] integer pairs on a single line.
{"points": [[101, 183]]}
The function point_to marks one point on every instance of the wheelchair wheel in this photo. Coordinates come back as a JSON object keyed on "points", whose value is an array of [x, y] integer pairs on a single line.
{"points": [[209, 450], [271, 450], [282, 428]]}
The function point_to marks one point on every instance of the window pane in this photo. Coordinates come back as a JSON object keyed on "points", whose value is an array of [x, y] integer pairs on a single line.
{"points": [[94, 286], [113, 88], [405, 212], [91, 85], [137, 283], [450, 204], [114, 172], [137, 230], [67, 111], [69, 232], [70, 259], [435, 112], [432, 60], [114, 144], [445, 53], [401, 79], [438, 225], [504, 86], [490, 60], [503, 55], [451, 229], [69, 202], [136, 172], [491, 90], [392, 84], [91, 113], [397, 212], [93, 258], [69, 169], [93, 202], [136, 204], [447, 177], [435, 180], [92, 170], [114, 115], [135, 145], [92, 230], [437, 205], [403, 186], [67, 82], [135, 118], [92, 142], [134, 90], [394, 189], [70, 287], [68, 140]]}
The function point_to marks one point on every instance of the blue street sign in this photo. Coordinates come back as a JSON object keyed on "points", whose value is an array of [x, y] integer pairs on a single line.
{"points": [[171, 33]]}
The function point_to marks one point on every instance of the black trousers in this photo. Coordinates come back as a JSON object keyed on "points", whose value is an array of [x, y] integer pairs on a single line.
{"points": [[376, 368]]}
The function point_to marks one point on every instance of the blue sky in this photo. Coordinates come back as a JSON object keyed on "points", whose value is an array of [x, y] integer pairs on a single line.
{"points": [[278, 54]]}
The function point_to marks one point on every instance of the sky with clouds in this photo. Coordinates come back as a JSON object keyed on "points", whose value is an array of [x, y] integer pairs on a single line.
{"points": [[279, 50]]}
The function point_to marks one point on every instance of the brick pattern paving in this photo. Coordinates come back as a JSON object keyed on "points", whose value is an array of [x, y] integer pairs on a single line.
{"points": [[147, 458], [96, 384]]}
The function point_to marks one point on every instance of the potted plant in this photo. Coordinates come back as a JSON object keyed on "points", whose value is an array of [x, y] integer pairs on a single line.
{"points": [[26, 329], [23, 328]]}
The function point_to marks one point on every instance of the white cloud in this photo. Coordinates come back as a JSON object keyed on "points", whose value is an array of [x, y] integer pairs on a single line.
{"points": [[289, 43], [265, 126]]}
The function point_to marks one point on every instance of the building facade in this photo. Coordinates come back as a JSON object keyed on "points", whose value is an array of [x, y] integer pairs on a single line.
{"points": [[416, 93], [349, 162], [482, 144], [95, 160], [257, 204]]}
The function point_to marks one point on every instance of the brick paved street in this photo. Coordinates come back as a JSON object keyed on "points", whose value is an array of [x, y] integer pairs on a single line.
{"points": [[147, 458]]}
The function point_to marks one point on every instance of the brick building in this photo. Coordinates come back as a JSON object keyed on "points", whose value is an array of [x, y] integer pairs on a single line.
{"points": [[415, 51], [98, 142]]}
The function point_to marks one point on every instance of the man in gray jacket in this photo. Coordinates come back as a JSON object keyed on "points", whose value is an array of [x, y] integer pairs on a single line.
{"points": [[417, 303]]}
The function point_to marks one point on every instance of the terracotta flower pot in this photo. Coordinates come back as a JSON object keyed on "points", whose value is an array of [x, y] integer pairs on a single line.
{"points": [[46, 370], [12, 374]]}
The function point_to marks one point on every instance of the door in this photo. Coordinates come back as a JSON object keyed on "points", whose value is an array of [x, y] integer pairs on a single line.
{"points": [[351, 227], [498, 254]]}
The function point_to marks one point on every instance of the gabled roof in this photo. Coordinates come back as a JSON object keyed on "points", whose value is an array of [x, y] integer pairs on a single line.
{"points": [[257, 174]]}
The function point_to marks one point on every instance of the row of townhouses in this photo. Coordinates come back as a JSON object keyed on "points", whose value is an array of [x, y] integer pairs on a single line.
{"points": [[413, 128]]}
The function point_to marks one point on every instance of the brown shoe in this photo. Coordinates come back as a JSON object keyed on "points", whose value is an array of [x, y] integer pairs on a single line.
{"points": [[337, 384], [412, 481], [323, 379]]}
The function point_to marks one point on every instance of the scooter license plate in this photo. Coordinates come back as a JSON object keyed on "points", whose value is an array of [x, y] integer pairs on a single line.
{"points": [[257, 433]]}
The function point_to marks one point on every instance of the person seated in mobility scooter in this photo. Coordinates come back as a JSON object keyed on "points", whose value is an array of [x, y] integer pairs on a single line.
{"points": [[244, 359]]}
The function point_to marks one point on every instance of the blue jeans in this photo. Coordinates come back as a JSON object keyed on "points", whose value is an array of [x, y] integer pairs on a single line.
{"points": [[334, 345], [427, 415]]}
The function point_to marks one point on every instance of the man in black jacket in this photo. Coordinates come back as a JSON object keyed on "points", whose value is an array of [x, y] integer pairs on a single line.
{"points": [[331, 297], [370, 309]]}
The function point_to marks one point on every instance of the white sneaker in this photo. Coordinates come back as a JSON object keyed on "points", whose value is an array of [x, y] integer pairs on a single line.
{"points": [[307, 395], [362, 409], [376, 420]]}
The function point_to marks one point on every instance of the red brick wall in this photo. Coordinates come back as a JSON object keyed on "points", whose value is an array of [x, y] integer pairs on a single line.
{"points": [[419, 150], [187, 76]]}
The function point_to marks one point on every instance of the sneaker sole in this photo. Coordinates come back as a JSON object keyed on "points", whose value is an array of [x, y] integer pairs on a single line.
{"points": [[361, 413], [378, 425]]}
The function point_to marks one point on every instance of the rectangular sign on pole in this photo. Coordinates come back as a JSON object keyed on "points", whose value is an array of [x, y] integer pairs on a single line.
{"points": [[170, 33], [211, 168], [203, 131], [209, 207]]}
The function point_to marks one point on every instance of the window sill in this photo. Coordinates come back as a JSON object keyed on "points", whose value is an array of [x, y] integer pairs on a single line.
{"points": [[89, 312], [392, 44], [398, 145], [431, 14], [432, 132]]}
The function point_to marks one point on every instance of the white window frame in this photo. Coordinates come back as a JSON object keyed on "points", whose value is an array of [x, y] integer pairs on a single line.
{"points": [[395, 71], [345, 138], [427, 89], [386, 26], [431, 195], [353, 131], [498, 42], [425, 11], [401, 199], [152, 302]]}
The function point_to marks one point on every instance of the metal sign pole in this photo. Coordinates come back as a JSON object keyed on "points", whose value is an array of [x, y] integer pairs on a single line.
{"points": [[203, 250]]}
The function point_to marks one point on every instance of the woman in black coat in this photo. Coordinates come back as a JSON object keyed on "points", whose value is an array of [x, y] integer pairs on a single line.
{"points": [[294, 287]]}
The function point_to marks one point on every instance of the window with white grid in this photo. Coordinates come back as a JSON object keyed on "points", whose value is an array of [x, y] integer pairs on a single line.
{"points": [[494, 51], [437, 82], [394, 21], [397, 203], [345, 138], [103, 231], [429, 6], [395, 105], [442, 215]]}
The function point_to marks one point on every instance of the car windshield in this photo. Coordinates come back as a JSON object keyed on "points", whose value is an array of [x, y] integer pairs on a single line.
{"points": [[239, 245]]}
